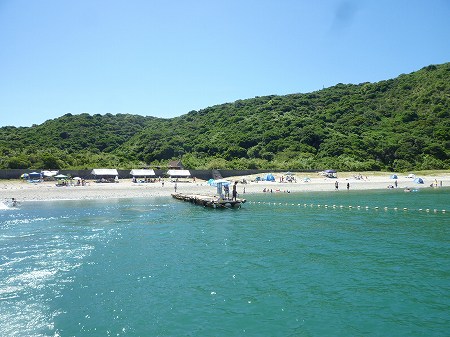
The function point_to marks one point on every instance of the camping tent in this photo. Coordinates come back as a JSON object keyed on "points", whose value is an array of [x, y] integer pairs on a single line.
{"points": [[394, 176], [331, 173], [418, 181], [142, 173], [35, 175], [178, 173], [269, 177]]}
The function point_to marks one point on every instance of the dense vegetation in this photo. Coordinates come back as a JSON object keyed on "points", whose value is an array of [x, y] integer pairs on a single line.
{"points": [[398, 124]]}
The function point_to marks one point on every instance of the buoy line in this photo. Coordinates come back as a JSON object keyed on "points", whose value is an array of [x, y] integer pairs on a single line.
{"points": [[358, 207]]}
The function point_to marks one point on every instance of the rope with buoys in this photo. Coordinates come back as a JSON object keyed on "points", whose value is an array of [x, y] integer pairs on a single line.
{"points": [[358, 207]]}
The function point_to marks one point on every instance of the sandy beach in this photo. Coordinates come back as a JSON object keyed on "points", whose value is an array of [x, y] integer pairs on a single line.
{"points": [[125, 188]]}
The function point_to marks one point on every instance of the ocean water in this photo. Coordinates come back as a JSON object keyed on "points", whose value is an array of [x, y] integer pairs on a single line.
{"points": [[279, 266]]}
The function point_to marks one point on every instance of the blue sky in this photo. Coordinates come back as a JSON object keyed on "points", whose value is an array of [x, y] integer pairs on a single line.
{"points": [[166, 58]]}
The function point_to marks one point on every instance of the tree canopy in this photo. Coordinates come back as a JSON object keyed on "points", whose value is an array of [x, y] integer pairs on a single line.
{"points": [[397, 124]]}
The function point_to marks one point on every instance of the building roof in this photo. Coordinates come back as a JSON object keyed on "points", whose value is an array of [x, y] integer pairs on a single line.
{"points": [[175, 164], [179, 173], [142, 172], [105, 172]]}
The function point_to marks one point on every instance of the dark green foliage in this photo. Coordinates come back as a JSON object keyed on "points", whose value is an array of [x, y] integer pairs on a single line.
{"points": [[398, 124]]}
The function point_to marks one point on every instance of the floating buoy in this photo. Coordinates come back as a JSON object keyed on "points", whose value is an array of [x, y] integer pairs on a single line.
{"points": [[376, 208]]}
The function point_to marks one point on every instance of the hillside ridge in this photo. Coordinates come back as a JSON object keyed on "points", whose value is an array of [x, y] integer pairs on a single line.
{"points": [[395, 124]]}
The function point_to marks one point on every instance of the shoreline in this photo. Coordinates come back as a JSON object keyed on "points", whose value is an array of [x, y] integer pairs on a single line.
{"points": [[48, 191]]}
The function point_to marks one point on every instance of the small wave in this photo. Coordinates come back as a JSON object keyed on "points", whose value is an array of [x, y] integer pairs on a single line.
{"points": [[4, 207]]}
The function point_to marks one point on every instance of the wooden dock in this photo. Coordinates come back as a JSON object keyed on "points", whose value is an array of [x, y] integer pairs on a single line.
{"points": [[209, 201]]}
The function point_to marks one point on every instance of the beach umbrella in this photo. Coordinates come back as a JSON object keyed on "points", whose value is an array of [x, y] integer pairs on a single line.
{"points": [[217, 182], [394, 176], [25, 175], [61, 176], [418, 181], [77, 178]]}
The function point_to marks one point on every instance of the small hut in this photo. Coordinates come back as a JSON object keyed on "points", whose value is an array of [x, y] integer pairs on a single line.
{"points": [[175, 165], [177, 174], [142, 175], [105, 175]]}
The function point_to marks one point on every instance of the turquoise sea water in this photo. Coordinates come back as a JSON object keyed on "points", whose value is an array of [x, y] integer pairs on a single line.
{"points": [[162, 267]]}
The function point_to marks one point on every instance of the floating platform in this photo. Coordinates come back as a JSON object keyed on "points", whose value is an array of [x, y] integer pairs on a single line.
{"points": [[209, 201]]}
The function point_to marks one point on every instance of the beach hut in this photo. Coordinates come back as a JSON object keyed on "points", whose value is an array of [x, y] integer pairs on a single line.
{"points": [[105, 175], [175, 174], [142, 173], [175, 165]]}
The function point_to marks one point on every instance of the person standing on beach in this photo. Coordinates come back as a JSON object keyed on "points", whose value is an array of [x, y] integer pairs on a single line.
{"points": [[235, 191], [348, 186], [336, 185], [175, 187]]}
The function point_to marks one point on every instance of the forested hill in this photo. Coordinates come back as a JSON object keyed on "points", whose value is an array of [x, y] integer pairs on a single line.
{"points": [[398, 124]]}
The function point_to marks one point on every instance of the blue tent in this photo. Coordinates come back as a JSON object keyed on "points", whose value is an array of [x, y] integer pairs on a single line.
{"points": [[418, 181], [394, 176], [269, 177]]}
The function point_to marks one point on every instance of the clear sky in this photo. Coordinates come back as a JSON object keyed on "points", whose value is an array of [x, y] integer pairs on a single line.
{"points": [[165, 58]]}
